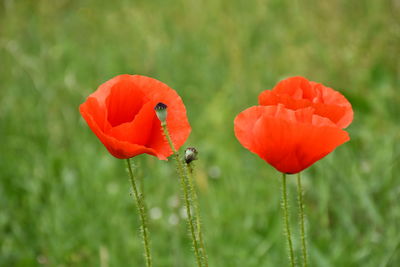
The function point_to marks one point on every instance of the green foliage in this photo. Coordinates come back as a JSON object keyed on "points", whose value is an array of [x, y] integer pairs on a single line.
{"points": [[64, 201]]}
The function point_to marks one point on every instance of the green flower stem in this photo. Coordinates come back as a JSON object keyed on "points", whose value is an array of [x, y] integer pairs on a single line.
{"points": [[301, 215], [186, 191], [197, 214], [140, 203], [286, 220]]}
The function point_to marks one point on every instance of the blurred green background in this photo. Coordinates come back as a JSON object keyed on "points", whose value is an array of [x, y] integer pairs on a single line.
{"points": [[64, 201]]}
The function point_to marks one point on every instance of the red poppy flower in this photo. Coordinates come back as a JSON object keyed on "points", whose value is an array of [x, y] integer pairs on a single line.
{"points": [[298, 92], [289, 140], [121, 114]]}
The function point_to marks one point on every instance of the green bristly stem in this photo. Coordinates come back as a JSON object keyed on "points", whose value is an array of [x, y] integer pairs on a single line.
{"points": [[142, 213], [186, 191], [301, 215], [197, 214], [286, 220]]}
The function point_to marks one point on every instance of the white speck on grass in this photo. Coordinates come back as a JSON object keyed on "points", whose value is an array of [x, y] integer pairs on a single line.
{"points": [[112, 189], [155, 213], [173, 219], [41, 259], [214, 172], [173, 201], [183, 213], [365, 166]]}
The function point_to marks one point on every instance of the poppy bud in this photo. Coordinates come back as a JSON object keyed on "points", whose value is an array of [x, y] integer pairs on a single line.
{"points": [[161, 111], [190, 154]]}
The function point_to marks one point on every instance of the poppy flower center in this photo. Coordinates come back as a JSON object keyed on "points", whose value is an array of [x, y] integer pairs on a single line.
{"points": [[123, 103]]}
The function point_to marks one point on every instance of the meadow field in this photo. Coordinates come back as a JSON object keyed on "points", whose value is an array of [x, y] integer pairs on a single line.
{"points": [[65, 201]]}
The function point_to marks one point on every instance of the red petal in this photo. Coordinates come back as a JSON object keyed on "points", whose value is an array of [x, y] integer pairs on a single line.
{"points": [[297, 87], [124, 101], [118, 148], [121, 114], [139, 130], [177, 122], [334, 104], [298, 92], [244, 124], [288, 140]]}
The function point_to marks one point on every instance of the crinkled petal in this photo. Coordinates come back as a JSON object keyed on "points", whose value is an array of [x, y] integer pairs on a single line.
{"points": [[290, 141], [297, 92]]}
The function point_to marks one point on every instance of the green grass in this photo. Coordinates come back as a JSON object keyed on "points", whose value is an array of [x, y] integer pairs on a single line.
{"points": [[64, 201]]}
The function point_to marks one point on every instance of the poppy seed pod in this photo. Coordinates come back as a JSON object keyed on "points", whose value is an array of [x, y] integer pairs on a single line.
{"points": [[190, 154], [161, 112]]}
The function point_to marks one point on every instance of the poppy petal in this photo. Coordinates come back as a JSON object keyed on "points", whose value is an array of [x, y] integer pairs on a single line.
{"points": [[177, 122], [244, 124], [121, 114], [123, 102], [297, 87], [343, 115], [119, 149], [289, 140], [137, 131], [298, 92], [92, 106]]}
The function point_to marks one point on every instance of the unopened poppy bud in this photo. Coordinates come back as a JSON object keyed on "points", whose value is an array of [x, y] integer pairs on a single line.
{"points": [[161, 111], [190, 154]]}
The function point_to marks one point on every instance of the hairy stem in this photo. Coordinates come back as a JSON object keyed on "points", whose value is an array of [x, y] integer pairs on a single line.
{"points": [[140, 203], [197, 214], [301, 215], [186, 191], [286, 220]]}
